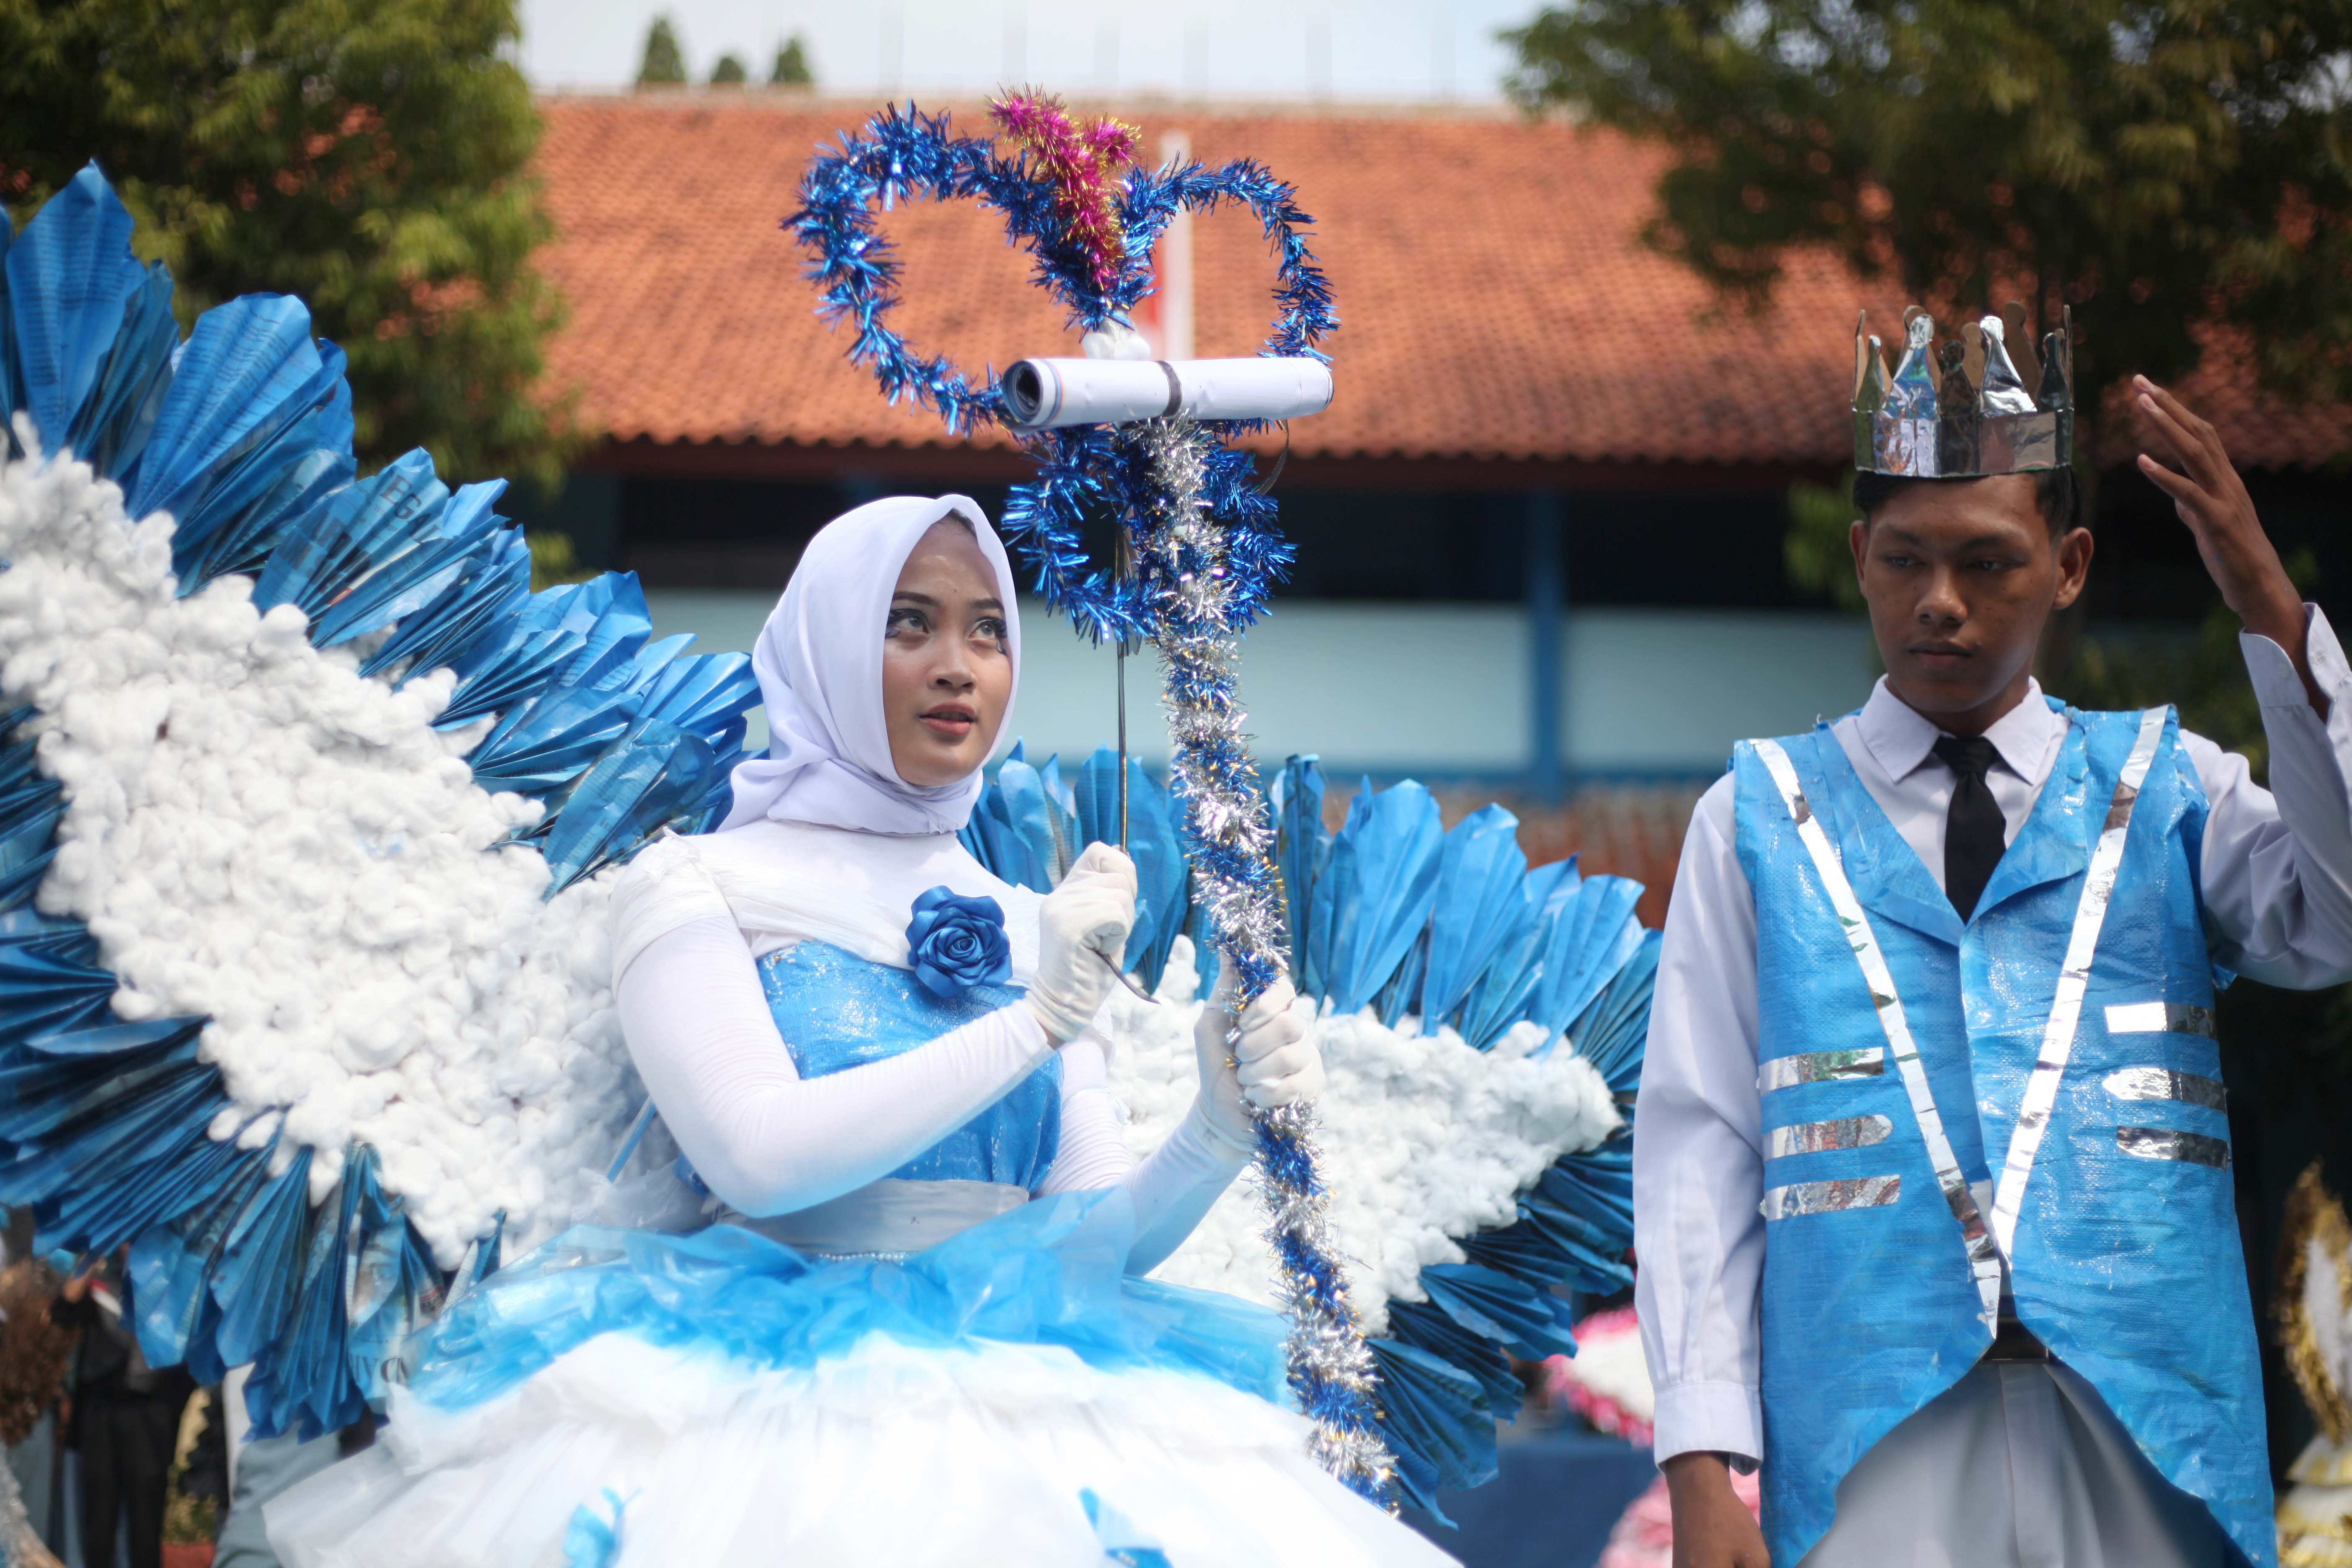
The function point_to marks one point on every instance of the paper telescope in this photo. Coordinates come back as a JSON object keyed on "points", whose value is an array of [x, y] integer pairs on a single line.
{"points": [[1045, 394]]}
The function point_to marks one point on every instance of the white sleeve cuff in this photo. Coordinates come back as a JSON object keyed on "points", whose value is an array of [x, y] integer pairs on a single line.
{"points": [[1709, 1417], [2272, 671]]}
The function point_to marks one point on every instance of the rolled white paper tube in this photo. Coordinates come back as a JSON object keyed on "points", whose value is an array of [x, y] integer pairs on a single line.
{"points": [[1045, 394]]}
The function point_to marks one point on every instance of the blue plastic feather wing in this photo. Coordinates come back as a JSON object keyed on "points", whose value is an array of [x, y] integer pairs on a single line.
{"points": [[1495, 944], [120, 1133]]}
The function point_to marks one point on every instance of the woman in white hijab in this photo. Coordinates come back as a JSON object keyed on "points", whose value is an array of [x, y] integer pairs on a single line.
{"points": [[885, 1306]]}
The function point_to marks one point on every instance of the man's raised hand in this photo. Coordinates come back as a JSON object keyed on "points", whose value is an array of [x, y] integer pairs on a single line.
{"points": [[2188, 463]]}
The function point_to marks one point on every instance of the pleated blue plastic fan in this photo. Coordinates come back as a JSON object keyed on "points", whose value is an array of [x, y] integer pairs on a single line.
{"points": [[1152, 842], [1498, 997], [1470, 1350], [1529, 1322], [568, 635], [1482, 900], [1400, 993], [491, 586], [249, 374], [1612, 1031], [1302, 847], [1593, 933], [415, 569], [110, 429], [656, 775], [1440, 1422], [72, 278], [1018, 828], [1391, 850]]}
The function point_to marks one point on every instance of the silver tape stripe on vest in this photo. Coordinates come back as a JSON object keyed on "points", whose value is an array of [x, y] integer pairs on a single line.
{"points": [[1984, 1263], [2073, 979], [1821, 1067], [1819, 1137], [2160, 1018], [1828, 1197], [2157, 1143], [2168, 1083]]}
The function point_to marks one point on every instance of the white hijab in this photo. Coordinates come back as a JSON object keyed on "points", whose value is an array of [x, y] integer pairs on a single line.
{"points": [[819, 662]]}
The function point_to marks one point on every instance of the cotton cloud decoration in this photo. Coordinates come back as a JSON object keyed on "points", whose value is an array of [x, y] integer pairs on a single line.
{"points": [[255, 832]]}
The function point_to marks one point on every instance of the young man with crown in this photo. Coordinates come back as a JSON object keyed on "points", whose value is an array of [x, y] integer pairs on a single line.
{"points": [[1932, 1195]]}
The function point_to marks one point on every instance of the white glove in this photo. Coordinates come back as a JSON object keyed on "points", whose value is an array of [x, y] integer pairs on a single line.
{"points": [[1093, 908], [1274, 1061]]}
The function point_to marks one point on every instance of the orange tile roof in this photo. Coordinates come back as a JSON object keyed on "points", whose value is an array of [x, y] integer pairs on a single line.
{"points": [[1496, 299]]}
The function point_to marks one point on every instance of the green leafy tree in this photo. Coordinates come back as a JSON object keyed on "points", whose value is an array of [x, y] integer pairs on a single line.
{"points": [[729, 72], [2158, 167], [792, 67], [554, 561], [372, 159], [664, 63]]}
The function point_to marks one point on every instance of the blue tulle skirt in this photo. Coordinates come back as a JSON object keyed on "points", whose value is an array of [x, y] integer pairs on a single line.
{"points": [[625, 1398], [1051, 1272]]}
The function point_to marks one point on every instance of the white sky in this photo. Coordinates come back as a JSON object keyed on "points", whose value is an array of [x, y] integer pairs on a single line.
{"points": [[1288, 49]]}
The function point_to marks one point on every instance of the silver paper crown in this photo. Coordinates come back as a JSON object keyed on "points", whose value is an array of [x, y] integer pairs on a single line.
{"points": [[1964, 407]]}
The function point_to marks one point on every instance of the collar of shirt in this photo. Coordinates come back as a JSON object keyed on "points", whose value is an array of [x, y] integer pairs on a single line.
{"points": [[1901, 739]]}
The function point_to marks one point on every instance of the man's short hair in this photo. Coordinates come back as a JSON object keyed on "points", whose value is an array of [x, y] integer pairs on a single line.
{"points": [[2055, 494]]}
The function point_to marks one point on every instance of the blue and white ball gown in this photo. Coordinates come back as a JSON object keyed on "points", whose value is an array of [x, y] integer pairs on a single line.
{"points": [[938, 1368]]}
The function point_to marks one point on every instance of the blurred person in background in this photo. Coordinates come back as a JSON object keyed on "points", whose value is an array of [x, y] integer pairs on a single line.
{"points": [[125, 1416], [33, 1356]]}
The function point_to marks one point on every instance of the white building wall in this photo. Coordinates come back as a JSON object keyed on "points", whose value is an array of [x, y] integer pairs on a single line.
{"points": [[1442, 690]]}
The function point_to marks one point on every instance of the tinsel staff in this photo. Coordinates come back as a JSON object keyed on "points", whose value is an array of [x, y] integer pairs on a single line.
{"points": [[1215, 777], [1205, 557]]}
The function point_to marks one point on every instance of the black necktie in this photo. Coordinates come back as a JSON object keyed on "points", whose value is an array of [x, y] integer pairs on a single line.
{"points": [[1974, 832]]}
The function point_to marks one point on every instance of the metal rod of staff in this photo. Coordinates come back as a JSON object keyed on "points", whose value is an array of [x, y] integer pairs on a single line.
{"points": [[1124, 978]]}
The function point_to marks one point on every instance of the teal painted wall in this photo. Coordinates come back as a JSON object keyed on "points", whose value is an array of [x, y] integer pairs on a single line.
{"points": [[1436, 689]]}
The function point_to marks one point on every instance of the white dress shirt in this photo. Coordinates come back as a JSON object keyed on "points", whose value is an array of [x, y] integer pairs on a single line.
{"points": [[2277, 881]]}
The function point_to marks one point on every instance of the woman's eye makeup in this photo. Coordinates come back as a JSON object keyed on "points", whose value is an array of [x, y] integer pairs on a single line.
{"points": [[903, 619]]}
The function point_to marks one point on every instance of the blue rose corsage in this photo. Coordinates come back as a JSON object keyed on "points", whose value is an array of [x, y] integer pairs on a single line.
{"points": [[956, 943]]}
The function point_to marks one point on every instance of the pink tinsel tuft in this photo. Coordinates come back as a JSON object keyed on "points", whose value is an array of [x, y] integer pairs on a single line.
{"points": [[1081, 162]]}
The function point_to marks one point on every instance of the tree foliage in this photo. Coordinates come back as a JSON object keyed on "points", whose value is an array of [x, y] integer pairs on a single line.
{"points": [[792, 67], [2156, 166], [368, 155], [664, 64], [728, 71]]}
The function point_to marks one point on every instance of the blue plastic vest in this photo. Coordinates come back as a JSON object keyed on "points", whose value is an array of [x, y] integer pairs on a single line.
{"points": [[2125, 1259], [836, 1010]]}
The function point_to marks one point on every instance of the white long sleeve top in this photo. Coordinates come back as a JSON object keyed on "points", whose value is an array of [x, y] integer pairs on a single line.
{"points": [[2277, 879], [691, 921]]}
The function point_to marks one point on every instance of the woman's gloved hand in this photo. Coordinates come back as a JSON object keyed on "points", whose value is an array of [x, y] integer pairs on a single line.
{"points": [[1093, 908], [1274, 1062]]}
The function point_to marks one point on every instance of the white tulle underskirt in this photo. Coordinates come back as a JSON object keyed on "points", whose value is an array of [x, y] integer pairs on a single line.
{"points": [[886, 1455]]}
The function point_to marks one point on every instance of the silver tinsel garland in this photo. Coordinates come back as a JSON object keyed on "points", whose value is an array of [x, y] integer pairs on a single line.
{"points": [[1213, 774]]}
